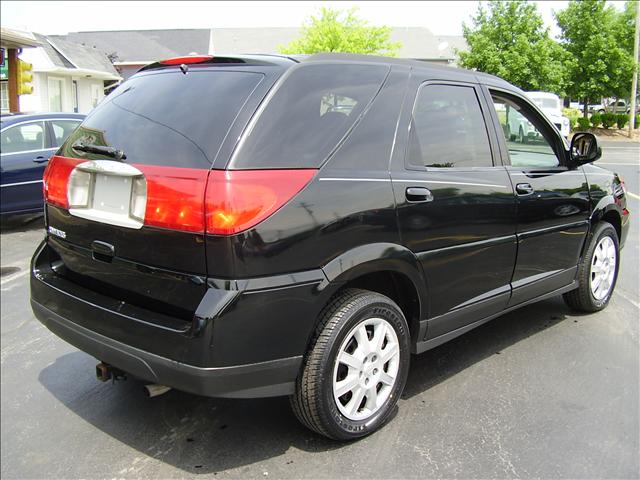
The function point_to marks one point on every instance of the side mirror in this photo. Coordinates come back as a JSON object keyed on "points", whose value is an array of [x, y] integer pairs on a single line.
{"points": [[584, 148]]}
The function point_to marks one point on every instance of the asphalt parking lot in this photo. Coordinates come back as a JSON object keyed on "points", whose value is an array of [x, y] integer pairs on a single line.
{"points": [[540, 392]]}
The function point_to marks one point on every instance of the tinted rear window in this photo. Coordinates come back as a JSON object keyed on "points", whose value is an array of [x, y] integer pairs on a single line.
{"points": [[168, 118], [308, 115]]}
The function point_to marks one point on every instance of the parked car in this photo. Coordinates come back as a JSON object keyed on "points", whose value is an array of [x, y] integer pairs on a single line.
{"points": [[621, 106], [259, 226], [551, 106], [27, 142]]}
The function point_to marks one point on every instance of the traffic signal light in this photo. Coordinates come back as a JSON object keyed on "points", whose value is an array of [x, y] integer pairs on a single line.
{"points": [[25, 77]]}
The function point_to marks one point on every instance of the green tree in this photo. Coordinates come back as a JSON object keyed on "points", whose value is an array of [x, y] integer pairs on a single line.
{"points": [[508, 39], [342, 31], [599, 65]]}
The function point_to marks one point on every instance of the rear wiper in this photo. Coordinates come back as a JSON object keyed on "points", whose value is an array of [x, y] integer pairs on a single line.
{"points": [[100, 150]]}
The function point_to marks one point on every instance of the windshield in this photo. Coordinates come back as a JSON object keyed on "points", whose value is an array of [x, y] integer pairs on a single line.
{"points": [[547, 103], [166, 118]]}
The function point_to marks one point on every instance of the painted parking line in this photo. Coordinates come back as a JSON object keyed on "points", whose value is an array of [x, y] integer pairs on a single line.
{"points": [[625, 164], [634, 195]]}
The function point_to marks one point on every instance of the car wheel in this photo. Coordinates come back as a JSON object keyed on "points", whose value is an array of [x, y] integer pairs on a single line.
{"points": [[597, 271], [355, 368], [600, 112]]}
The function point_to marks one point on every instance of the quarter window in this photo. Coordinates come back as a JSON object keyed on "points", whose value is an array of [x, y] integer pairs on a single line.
{"points": [[527, 145], [448, 129], [22, 138]]}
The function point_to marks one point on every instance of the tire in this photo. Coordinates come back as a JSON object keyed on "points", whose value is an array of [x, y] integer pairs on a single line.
{"points": [[595, 290], [350, 314]]}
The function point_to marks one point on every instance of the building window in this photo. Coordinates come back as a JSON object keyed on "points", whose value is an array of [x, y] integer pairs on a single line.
{"points": [[95, 95], [55, 94], [4, 97]]}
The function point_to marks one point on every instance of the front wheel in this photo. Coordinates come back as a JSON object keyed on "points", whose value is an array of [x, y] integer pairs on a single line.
{"points": [[356, 367], [597, 272]]}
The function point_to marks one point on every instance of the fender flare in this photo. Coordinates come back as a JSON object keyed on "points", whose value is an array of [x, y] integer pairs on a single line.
{"points": [[377, 257], [605, 205]]}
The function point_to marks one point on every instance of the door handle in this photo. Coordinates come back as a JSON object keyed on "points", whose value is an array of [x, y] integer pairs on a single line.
{"points": [[418, 195], [40, 159], [524, 189]]}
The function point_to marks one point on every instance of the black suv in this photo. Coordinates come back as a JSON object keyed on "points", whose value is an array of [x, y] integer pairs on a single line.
{"points": [[261, 225]]}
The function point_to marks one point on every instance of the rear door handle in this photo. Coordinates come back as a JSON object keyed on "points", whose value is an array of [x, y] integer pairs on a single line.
{"points": [[418, 195], [40, 159], [524, 189]]}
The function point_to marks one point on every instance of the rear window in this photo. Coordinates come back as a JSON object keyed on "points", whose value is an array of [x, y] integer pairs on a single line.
{"points": [[167, 118], [308, 115]]}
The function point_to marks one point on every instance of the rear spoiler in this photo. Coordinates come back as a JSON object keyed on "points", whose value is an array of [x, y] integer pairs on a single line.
{"points": [[253, 60]]}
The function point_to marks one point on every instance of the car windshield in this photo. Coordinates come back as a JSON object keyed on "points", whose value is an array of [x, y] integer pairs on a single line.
{"points": [[550, 103]]}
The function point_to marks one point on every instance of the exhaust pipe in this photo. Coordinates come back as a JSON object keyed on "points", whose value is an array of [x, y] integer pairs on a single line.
{"points": [[103, 372], [153, 390]]}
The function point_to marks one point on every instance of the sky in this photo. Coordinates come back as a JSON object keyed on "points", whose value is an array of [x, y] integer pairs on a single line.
{"points": [[51, 17]]}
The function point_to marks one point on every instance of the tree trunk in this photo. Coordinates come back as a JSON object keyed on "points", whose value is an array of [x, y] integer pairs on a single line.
{"points": [[585, 108]]}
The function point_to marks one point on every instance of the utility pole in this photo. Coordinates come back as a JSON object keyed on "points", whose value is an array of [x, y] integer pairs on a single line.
{"points": [[634, 82]]}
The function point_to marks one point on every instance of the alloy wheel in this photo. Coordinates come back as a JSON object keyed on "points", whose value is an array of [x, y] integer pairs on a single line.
{"points": [[603, 268], [366, 369]]}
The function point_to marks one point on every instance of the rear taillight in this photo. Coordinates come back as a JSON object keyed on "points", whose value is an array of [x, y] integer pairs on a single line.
{"points": [[56, 180], [175, 197], [237, 200], [218, 202]]}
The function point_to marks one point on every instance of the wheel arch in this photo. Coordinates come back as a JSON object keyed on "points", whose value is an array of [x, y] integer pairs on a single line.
{"points": [[386, 268]]}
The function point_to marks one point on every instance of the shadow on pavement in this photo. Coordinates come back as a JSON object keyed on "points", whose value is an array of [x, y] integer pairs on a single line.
{"points": [[22, 223], [205, 435]]}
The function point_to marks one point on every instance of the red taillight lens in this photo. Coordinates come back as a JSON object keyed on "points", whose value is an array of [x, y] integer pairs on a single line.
{"points": [[186, 60], [216, 201], [175, 197], [237, 200], [56, 180]]}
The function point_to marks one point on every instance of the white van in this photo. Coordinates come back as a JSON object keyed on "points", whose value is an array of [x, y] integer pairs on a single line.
{"points": [[551, 106]]}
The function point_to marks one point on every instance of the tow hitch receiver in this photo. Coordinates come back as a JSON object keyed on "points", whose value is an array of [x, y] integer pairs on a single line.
{"points": [[105, 372]]}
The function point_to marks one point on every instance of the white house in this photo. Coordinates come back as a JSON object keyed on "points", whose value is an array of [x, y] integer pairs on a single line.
{"points": [[67, 76]]}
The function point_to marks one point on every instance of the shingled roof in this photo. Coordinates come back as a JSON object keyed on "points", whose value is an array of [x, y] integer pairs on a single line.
{"points": [[145, 45], [141, 46], [64, 53]]}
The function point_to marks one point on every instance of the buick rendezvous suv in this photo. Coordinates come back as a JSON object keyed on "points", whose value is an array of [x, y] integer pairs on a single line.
{"points": [[259, 226]]}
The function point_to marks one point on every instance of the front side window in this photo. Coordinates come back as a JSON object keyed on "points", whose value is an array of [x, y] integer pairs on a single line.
{"points": [[527, 146], [447, 129], [22, 138]]}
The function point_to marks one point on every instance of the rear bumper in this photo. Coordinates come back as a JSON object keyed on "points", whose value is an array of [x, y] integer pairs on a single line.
{"points": [[246, 339], [271, 378]]}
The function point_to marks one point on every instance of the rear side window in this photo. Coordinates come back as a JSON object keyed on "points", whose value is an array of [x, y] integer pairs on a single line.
{"points": [[308, 115], [62, 129], [167, 118], [448, 129]]}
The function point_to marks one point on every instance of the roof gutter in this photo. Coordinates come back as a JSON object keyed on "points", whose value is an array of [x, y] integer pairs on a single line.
{"points": [[79, 72]]}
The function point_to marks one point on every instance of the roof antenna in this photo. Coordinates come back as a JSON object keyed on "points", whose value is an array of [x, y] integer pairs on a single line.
{"points": [[184, 68]]}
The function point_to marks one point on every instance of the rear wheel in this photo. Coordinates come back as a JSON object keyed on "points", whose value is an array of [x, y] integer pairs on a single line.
{"points": [[597, 272], [356, 368]]}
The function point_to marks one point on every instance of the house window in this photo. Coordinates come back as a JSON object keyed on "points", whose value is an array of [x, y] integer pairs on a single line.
{"points": [[4, 97], [55, 94], [95, 95]]}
